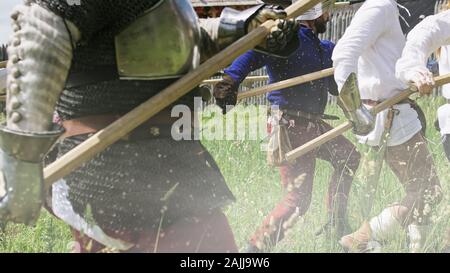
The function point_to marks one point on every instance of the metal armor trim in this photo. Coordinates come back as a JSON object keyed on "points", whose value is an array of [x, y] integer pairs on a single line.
{"points": [[27, 146], [21, 175], [349, 95], [351, 104], [160, 47], [233, 24]]}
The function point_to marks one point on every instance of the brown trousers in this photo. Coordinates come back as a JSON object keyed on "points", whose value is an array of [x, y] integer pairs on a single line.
{"points": [[413, 164], [297, 179]]}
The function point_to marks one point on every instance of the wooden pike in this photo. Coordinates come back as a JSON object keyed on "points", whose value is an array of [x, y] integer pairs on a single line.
{"points": [[287, 83], [248, 79], [104, 138], [339, 130], [270, 87]]}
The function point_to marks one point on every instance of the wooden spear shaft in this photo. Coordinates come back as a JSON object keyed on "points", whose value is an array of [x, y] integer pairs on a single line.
{"points": [[339, 130], [286, 83], [104, 138], [271, 87], [248, 79]]}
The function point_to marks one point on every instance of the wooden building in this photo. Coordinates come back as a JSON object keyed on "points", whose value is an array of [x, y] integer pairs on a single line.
{"points": [[213, 8]]}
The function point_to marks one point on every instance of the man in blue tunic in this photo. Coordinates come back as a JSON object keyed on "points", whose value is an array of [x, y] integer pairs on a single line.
{"points": [[304, 107]]}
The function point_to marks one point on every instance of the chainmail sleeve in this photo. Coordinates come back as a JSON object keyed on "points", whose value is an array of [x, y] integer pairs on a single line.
{"points": [[94, 16], [40, 54]]}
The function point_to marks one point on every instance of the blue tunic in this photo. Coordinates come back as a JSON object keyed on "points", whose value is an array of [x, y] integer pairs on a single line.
{"points": [[311, 56]]}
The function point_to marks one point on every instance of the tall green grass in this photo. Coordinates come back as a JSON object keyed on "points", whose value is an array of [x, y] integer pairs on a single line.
{"points": [[257, 189]]}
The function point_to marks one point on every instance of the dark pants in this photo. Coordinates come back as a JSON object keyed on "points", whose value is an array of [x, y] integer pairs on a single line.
{"points": [[413, 164], [297, 180], [446, 144], [206, 233]]}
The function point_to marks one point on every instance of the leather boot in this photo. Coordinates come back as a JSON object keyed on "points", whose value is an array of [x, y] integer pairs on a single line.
{"points": [[357, 241]]}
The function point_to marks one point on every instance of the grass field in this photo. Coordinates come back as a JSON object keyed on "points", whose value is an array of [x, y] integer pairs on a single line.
{"points": [[257, 190]]}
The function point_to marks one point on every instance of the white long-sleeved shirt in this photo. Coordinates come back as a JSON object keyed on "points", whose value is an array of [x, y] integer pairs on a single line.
{"points": [[430, 34], [443, 112], [3, 80], [370, 47], [444, 68]]}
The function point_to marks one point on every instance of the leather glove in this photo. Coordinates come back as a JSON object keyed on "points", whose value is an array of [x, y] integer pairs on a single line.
{"points": [[281, 35], [226, 93]]}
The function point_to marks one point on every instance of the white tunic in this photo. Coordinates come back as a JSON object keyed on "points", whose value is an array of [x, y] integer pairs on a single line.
{"points": [[430, 34], [370, 47], [444, 119], [444, 68], [3, 80], [444, 111]]}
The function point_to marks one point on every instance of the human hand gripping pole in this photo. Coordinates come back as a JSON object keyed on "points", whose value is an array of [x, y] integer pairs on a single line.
{"points": [[339, 130]]}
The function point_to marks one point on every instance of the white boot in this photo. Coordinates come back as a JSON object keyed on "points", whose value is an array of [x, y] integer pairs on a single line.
{"points": [[384, 225], [417, 235], [368, 237]]}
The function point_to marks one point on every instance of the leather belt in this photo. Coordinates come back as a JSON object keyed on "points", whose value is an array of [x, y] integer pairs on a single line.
{"points": [[370, 102], [310, 116], [376, 102], [159, 126]]}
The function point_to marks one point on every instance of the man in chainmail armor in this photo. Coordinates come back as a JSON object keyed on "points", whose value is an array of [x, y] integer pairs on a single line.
{"points": [[95, 62]]}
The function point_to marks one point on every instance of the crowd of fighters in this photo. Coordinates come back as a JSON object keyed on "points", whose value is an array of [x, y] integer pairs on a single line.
{"points": [[89, 64]]}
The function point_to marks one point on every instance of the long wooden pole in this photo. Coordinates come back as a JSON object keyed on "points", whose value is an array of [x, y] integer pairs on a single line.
{"points": [[104, 138], [339, 130], [274, 86], [286, 83], [248, 79]]}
